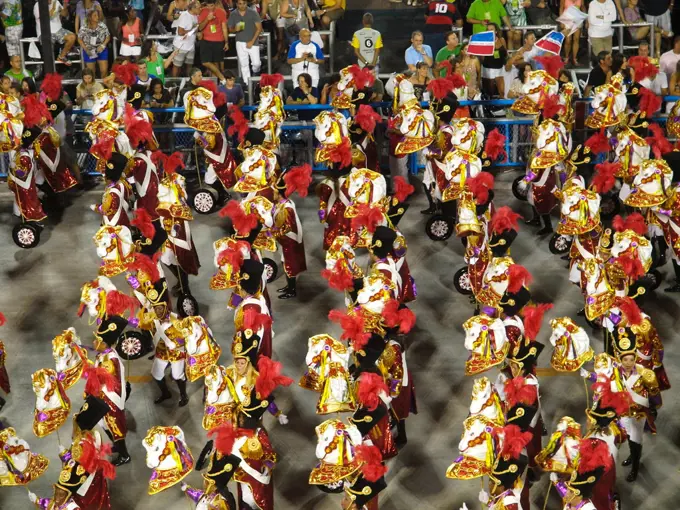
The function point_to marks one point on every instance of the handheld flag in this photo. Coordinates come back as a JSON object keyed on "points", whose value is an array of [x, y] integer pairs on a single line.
{"points": [[482, 44], [572, 18], [551, 42]]}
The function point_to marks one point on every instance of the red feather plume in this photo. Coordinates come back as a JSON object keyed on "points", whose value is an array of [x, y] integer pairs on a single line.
{"points": [[533, 318], [173, 162], [255, 320], [619, 401], [605, 177], [158, 158], [631, 311], [239, 124], [243, 223], [552, 64], [598, 143], [643, 68], [440, 88], [233, 255], [271, 80], [298, 179], [51, 86], [125, 73], [368, 216], [402, 189], [142, 221], [372, 467], [35, 112], [224, 437], [632, 267], [457, 81], [504, 219], [370, 387], [269, 377], [98, 377], [659, 143], [552, 106], [394, 316], [103, 149], [147, 266], [366, 118], [480, 186], [649, 102], [514, 440], [352, 328], [117, 303], [93, 459], [219, 98], [341, 154], [495, 145], [634, 222], [517, 391], [593, 453], [518, 276], [340, 278], [3, 320], [138, 129], [362, 78]]}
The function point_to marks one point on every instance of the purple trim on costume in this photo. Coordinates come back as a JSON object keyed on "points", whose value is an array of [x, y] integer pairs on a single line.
{"points": [[530, 176], [194, 494], [489, 310], [272, 408], [322, 214], [614, 318], [43, 502], [134, 322], [134, 282], [65, 456], [236, 299], [592, 377], [561, 489]]}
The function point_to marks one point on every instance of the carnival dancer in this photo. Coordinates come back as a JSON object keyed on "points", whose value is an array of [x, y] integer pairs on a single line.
{"points": [[115, 202], [22, 178], [251, 284], [4, 376]]}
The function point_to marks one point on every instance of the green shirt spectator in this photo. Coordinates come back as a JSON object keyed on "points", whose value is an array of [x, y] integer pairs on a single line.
{"points": [[16, 72], [452, 49], [484, 12]]}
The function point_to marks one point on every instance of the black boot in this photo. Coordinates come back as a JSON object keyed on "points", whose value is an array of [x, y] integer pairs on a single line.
{"points": [[165, 392], [123, 455], [629, 460], [2, 403], [535, 221], [676, 286], [636, 454], [547, 225], [431, 208], [291, 288], [401, 434], [662, 246], [183, 397]]}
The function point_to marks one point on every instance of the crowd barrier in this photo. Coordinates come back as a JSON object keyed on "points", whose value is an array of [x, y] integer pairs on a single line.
{"points": [[297, 138]]}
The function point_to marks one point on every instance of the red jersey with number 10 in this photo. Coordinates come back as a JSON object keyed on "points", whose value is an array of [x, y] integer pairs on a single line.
{"points": [[440, 12]]}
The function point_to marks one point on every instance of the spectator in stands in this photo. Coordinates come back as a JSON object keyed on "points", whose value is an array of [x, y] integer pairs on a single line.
{"points": [[529, 51], [378, 86], [471, 69], [28, 86], [333, 10], [271, 13], [658, 13], [643, 49], [518, 17], [94, 38], [305, 56], [418, 52], [12, 20], [16, 70], [620, 65], [212, 23], [493, 83], [138, 6], [601, 15], [185, 38], [674, 88], [571, 42], [420, 79], [669, 60], [195, 79], [304, 93], [233, 90], [632, 15], [15, 91], [657, 84], [83, 8], [515, 89], [483, 13], [5, 84], [143, 76], [59, 34], [175, 9], [601, 72], [330, 89], [440, 18], [452, 49], [296, 16], [155, 63], [367, 43], [86, 90], [247, 26], [158, 97], [539, 13], [131, 34]]}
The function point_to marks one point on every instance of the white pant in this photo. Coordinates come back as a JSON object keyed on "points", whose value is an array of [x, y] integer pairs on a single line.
{"points": [[635, 427], [246, 57], [159, 366]]}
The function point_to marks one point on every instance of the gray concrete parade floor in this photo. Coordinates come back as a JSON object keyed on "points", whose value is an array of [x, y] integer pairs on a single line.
{"points": [[40, 295]]}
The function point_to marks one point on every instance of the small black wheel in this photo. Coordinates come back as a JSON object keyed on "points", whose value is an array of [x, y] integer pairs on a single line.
{"points": [[559, 244], [26, 235], [187, 306], [205, 200], [461, 281], [610, 205], [134, 345], [271, 270], [439, 227], [655, 278], [520, 188]]}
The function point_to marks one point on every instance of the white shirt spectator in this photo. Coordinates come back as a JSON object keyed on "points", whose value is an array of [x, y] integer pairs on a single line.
{"points": [[601, 15], [656, 85], [668, 62], [298, 50], [189, 22], [55, 21]]}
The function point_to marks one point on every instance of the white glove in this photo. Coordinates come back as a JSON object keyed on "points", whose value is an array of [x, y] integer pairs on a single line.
{"points": [[184, 487], [283, 419], [62, 448], [554, 477], [584, 373], [464, 507], [483, 496], [32, 497], [93, 207]]}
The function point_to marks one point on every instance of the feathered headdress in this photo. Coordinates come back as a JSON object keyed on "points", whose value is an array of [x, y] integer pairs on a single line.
{"points": [[219, 98], [142, 221], [269, 377], [480, 186], [504, 219], [514, 440], [619, 401], [367, 216], [146, 265], [517, 391], [239, 124], [598, 143], [372, 467], [533, 318], [117, 303], [254, 320], [634, 222], [103, 149], [125, 73], [552, 106], [94, 459], [224, 437], [340, 277], [605, 177], [518, 277], [659, 143], [352, 328], [51, 86], [643, 68], [173, 162], [440, 88], [630, 310], [271, 80], [35, 112], [138, 129], [97, 377], [243, 223], [650, 103], [298, 179], [366, 118], [402, 189], [495, 145], [362, 78], [593, 454], [551, 64], [341, 154], [632, 267], [394, 316], [370, 387], [233, 255]]}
